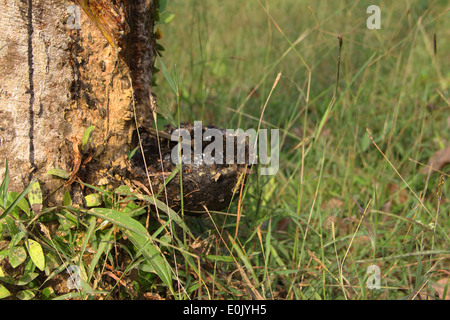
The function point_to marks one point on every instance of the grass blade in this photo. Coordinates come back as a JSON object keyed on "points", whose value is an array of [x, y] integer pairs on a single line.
{"points": [[167, 76], [105, 241], [139, 236], [4, 186], [161, 206], [17, 200]]}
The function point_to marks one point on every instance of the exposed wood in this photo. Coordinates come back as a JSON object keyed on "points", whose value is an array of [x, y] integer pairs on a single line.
{"points": [[56, 80]]}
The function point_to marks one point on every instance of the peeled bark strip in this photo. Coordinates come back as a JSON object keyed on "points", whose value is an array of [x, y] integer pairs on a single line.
{"points": [[56, 80]]}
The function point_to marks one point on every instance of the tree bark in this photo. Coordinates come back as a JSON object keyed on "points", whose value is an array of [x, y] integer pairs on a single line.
{"points": [[61, 73]]}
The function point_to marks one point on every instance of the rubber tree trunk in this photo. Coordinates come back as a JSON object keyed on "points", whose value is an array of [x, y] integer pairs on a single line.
{"points": [[66, 66]]}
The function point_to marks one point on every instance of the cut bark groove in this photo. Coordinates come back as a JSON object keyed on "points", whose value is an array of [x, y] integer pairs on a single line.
{"points": [[203, 185]]}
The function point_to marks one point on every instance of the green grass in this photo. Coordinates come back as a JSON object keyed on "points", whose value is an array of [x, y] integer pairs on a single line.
{"points": [[222, 57]]}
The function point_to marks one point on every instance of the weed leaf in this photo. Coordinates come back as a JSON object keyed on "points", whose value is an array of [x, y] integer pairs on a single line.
{"points": [[16, 201], [36, 254], [139, 236], [17, 255], [59, 173], [35, 198], [87, 138], [4, 293]]}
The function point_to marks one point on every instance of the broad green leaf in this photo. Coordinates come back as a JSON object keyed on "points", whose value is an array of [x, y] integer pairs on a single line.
{"points": [[146, 267], [120, 219], [22, 204], [16, 201], [15, 239], [161, 7], [133, 210], [36, 254], [64, 222], [160, 48], [67, 200], [27, 278], [123, 190], [87, 138], [4, 293], [35, 198], [166, 17], [26, 294], [93, 200], [17, 255], [140, 238], [2, 274], [9, 280], [59, 173], [35, 195], [11, 225], [47, 293], [4, 254]]}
